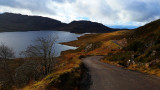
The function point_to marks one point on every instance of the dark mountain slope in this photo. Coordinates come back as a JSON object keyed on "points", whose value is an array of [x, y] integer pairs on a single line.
{"points": [[147, 29], [147, 32], [18, 22], [145, 42], [87, 26]]}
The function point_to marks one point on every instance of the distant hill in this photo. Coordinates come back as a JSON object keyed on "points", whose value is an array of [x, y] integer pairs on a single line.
{"points": [[123, 26], [18, 22], [87, 26]]}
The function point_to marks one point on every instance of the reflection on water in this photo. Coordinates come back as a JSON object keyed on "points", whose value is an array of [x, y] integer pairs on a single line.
{"points": [[20, 40]]}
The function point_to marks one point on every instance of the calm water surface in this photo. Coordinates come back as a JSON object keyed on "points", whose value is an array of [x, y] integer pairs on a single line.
{"points": [[20, 40]]}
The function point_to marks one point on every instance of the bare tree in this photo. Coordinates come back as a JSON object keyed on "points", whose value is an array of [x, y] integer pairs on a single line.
{"points": [[5, 54], [26, 72], [43, 47]]}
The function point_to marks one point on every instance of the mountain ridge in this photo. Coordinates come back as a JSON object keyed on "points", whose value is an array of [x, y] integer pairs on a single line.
{"points": [[19, 22]]}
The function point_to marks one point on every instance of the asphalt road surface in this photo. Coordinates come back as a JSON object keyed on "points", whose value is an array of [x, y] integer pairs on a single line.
{"points": [[109, 77]]}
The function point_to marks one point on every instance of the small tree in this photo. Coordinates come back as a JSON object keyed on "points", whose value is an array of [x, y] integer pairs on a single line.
{"points": [[27, 72], [5, 54], [43, 47]]}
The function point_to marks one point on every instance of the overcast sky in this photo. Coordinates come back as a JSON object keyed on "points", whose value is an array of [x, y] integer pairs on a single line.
{"points": [[108, 12]]}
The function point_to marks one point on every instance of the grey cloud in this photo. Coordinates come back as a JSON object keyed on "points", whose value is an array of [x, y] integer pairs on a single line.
{"points": [[32, 5], [59, 1], [141, 11], [11, 3], [63, 1], [107, 11]]}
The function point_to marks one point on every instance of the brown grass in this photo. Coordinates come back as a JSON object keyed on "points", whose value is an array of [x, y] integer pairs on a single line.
{"points": [[91, 38], [108, 47], [145, 69], [68, 64], [69, 60]]}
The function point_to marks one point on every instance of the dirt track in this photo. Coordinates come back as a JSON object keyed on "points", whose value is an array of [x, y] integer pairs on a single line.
{"points": [[109, 77]]}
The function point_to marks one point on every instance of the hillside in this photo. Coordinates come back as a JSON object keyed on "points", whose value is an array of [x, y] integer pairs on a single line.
{"points": [[145, 42], [147, 29], [18, 22], [141, 45], [143, 49]]}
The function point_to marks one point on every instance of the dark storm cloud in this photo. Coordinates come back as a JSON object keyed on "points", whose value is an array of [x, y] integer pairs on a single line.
{"points": [[32, 5], [11, 3], [142, 11]]}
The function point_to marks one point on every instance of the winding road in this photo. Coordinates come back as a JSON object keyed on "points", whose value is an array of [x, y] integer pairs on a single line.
{"points": [[109, 77]]}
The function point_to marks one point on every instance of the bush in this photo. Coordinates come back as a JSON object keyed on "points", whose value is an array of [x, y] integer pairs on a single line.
{"points": [[121, 57], [156, 47], [82, 56], [26, 72], [136, 46], [154, 65], [158, 40], [94, 46]]}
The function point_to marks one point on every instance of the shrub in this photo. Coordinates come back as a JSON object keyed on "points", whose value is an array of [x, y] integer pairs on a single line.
{"points": [[157, 47], [94, 46], [26, 72], [136, 46], [120, 57], [82, 56]]}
